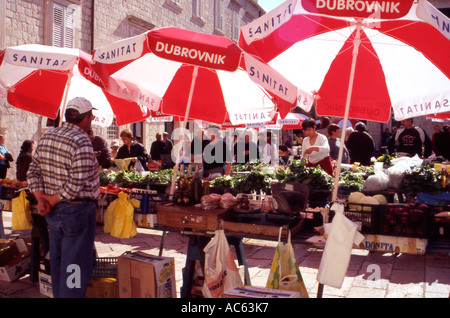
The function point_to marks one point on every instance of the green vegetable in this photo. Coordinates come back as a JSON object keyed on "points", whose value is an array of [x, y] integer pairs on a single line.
{"points": [[314, 177], [162, 176], [422, 179]]}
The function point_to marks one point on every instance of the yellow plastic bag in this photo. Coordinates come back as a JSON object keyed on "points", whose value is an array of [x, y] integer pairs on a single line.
{"points": [[284, 272], [21, 213], [119, 217], [123, 164]]}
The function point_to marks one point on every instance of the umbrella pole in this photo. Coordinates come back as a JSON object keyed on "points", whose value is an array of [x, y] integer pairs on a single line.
{"points": [[356, 44], [66, 93], [188, 108], [337, 172]]}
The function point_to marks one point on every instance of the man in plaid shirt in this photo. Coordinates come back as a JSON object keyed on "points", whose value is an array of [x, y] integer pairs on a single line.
{"points": [[64, 179]]}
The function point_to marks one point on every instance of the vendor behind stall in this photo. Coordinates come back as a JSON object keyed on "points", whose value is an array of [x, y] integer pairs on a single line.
{"points": [[216, 156], [315, 147], [246, 150], [132, 149], [411, 140]]}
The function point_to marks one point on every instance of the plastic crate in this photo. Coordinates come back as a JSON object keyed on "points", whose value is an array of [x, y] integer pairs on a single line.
{"points": [[7, 193], [311, 219], [441, 221], [366, 216], [105, 267], [407, 220], [318, 198], [148, 200]]}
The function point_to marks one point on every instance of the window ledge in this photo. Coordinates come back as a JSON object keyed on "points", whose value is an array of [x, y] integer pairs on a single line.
{"points": [[174, 6]]}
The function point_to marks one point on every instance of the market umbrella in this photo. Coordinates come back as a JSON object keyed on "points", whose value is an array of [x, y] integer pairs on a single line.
{"points": [[193, 75], [440, 116], [40, 79], [359, 59], [290, 121]]}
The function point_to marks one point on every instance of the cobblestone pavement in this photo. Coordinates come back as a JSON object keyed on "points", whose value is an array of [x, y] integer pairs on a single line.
{"points": [[401, 275]]}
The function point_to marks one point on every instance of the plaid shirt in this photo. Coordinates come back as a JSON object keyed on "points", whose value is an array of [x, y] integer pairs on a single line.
{"points": [[64, 163]]}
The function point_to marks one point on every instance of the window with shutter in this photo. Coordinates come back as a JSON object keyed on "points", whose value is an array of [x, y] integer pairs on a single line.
{"points": [[63, 26], [218, 15], [198, 9], [113, 131], [236, 26]]}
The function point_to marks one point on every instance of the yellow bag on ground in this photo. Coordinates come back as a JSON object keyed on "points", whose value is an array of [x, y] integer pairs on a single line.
{"points": [[119, 221], [284, 272], [21, 213]]}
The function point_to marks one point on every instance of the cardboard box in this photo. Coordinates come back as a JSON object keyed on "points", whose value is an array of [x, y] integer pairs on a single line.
{"points": [[394, 244], [142, 275], [259, 292], [45, 284], [14, 259], [103, 287]]}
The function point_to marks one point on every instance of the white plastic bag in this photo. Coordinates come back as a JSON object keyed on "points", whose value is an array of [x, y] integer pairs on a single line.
{"points": [[378, 181], [396, 174], [221, 272]]}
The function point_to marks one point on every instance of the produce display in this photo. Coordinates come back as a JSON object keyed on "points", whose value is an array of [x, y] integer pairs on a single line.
{"points": [[369, 209], [128, 177], [422, 179], [13, 183]]}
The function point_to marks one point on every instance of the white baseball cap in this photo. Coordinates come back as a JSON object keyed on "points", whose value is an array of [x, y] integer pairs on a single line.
{"points": [[115, 143], [80, 104]]}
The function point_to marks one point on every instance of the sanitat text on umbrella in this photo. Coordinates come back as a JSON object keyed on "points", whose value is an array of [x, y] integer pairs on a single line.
{"points": [[267, 79], [120, 51], [38, 61]]}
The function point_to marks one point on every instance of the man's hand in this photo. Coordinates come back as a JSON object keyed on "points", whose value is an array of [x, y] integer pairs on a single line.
{"points": [[46, 202], [44, 207]]}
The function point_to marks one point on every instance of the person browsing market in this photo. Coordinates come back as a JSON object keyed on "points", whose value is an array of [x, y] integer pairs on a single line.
{"points": [[64, 179]]}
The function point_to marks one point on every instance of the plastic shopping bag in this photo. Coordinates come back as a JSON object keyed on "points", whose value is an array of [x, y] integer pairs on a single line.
{"points": [[221, 272], [21, 213], [119, 217], [284, 272], [376, 182]]}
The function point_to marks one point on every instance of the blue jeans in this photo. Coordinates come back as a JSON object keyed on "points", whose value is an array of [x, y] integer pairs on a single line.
{"points": [[72, 229]]}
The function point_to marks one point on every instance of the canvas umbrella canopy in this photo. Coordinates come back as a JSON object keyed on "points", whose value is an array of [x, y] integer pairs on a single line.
{"points": [[440, 116], [193, 75], [41, 79], [290, 121], [360, 58], [350, 122]]}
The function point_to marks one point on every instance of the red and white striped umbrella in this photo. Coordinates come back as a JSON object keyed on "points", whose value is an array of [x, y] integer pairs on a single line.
{"points": [[40, 79], [291, 121], [360, 57], [370, 54]]}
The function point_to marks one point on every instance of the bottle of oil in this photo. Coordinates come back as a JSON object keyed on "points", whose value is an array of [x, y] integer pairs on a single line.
{"points": [[180, 185], [196, 187], [444, 175]]}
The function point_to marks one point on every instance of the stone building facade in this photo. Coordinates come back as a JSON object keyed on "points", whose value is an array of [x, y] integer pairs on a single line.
{"points": [[88, 24]]}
